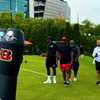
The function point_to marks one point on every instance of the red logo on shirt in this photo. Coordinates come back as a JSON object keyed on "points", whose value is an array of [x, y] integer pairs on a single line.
{"points": [[5, 55]]}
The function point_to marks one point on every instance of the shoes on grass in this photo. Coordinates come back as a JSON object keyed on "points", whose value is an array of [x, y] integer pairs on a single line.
{"points": [[98, 83], [47, 81], [66, 83], [75, 79], [54, 81]]}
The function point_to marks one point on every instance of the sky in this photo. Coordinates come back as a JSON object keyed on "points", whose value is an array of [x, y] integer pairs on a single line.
{"points": [[85, 9]]}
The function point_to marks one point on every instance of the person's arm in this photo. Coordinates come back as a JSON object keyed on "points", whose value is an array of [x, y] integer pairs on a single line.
{"points": [[95, 53], [72, 59], [78, 54], [58, 54], [46, 54], [57, 57]]}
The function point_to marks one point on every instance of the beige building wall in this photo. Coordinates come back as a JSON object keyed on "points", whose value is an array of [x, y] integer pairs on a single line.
{"points": [[57, 8], [53, 9]]}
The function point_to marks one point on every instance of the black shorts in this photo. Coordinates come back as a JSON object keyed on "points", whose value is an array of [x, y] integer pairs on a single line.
{"points": [[51, 62], [97, 66]]}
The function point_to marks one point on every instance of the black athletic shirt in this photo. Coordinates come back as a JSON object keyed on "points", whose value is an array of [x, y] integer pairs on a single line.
{"points": [[65, 52], [52, 48]]}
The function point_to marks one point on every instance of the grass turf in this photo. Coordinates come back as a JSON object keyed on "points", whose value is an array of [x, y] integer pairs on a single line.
{"points": [[33, 72]]}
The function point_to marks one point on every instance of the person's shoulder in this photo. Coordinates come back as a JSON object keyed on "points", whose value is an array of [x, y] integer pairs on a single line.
{"points": [[78, 47], [67, 46], [54, 42], [96, 48]]}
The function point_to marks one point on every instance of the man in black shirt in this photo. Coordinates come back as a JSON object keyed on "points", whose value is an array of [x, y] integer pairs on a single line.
{"points": [[51, 60], [65, 59], [76, 54]]}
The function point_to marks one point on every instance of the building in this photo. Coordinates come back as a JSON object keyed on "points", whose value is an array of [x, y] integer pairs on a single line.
{"points": [[4, 5], [14, 6], [37, 8], [50, 9]]}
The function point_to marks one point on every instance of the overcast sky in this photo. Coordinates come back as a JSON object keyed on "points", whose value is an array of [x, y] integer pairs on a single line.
{"points": [[85, 9]]}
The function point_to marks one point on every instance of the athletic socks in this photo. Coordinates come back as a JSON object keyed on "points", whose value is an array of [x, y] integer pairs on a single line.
{"points": [[54, 79]]}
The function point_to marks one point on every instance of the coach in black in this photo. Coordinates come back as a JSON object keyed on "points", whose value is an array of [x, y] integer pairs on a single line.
{"points": [[51, 60]]}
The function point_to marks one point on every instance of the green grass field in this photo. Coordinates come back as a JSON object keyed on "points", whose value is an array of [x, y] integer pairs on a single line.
{"points": [[32, 74]]}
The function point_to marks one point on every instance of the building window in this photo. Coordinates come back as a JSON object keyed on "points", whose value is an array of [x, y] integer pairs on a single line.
{"points": [[38, 14], [40, 0], [39, 8]]}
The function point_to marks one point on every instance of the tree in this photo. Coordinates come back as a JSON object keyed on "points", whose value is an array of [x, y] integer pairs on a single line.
{"points": [[97, 30], [88, 38], [76, 33], [5, 19], [18, 20], [68, 30], [87, 27]]}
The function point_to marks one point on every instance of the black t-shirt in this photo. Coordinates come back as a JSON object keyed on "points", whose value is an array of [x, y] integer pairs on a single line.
{"points": [[65, 52], [52, 48]]}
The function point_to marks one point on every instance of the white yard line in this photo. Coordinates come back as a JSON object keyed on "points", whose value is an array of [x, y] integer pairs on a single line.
{"points": [[31, 71]]}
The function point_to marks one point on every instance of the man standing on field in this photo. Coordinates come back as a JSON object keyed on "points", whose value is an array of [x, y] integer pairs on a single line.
{"points": [[66, 59], [51, 60], [96, 55], [76, 54]]}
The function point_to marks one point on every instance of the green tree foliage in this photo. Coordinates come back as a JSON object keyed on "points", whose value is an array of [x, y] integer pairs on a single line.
{"points": [[88, 39], [68, 30], [5, 20], [97, 30], [18, 20], [37, 30], [76, 33]]}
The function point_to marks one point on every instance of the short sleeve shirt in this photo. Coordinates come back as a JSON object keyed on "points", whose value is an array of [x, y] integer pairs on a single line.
{"points": [[52, 49], [65, 52]]}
